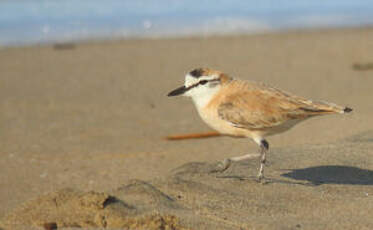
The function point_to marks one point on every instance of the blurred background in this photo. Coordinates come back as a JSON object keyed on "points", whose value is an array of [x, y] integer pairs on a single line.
{"points": [[24, 22], [83, 88]]}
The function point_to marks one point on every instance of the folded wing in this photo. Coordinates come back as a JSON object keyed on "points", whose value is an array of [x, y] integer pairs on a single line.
{"points": [[262, 107]]}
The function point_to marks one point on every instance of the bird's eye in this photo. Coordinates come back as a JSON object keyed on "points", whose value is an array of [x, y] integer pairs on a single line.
{"points": [[203, 82]]}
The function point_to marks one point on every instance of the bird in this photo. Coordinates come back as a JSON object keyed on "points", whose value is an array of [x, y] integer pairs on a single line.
{"points": [[243, 108]]}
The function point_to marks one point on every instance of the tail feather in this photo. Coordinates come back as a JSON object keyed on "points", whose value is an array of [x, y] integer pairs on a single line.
{"points": [[347, 110], [323, 107]]}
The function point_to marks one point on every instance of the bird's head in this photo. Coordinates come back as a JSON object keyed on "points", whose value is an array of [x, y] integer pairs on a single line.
{"points": [[201, 82]]}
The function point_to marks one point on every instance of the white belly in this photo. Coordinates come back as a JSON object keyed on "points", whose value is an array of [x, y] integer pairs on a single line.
{"points": [[212, 118]]}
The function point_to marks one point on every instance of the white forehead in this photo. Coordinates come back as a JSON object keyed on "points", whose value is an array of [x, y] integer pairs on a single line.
{"points": [[190, 80]]}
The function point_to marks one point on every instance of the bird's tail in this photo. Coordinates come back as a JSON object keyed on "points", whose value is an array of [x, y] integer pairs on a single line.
{"points": [[323, 107]]}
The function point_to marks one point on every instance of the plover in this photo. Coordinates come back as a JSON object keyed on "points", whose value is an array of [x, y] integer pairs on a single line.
{"points": [[248, 109]]}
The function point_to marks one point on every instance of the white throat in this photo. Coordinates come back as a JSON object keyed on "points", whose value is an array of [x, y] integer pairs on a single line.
{"points": [[201, 99], [201, 94]]}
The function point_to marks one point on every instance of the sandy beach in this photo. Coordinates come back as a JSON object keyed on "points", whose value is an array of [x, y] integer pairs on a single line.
{"points": [[85, 123]]}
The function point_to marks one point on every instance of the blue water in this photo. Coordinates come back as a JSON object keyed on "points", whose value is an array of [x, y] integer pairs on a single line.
{"points": [[24, 22]]}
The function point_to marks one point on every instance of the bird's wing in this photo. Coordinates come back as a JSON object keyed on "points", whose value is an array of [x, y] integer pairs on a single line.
{"points": [[266, 107]]}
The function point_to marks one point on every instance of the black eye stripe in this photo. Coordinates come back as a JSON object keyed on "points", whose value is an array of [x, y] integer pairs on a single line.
{"points": [[201, 83]]}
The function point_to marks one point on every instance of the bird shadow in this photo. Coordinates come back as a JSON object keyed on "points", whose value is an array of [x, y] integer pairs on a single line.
{"points": [[265, 181], [332, 174]]}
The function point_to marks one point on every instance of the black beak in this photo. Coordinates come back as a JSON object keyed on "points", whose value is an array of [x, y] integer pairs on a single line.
{"points": [[178, 91]]}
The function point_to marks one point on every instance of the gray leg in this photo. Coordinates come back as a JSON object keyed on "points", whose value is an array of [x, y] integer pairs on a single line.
{"points": [[226, 163], [264, 146]]}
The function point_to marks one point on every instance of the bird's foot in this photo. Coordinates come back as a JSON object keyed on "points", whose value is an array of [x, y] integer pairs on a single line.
{"points": [[222, 166], [261, 179]]}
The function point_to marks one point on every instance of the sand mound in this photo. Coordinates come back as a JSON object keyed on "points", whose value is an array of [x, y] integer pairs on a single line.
{"points": [[72, 208]]}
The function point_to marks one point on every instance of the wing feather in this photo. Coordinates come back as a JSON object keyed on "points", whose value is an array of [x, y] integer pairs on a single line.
{"points": [[261, 107]]}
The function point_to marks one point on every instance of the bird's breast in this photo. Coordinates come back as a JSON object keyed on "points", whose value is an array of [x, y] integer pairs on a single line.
{"points": [[210, 116]]}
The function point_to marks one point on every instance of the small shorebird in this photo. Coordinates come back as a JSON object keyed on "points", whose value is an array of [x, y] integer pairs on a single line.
{"points": [[248, 109]]}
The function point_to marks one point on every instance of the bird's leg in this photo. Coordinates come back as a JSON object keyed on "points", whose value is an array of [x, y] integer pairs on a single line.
{"points": [[226, 163], [264, 146]]}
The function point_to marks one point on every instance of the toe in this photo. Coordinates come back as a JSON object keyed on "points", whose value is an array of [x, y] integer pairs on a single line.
{"points": [[221, 166]]}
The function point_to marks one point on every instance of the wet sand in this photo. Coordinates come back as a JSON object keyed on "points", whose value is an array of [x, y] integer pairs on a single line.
{"points": [[92, 117]]}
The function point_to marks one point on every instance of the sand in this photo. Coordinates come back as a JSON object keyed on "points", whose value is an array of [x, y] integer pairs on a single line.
{"points": [[88, 120]]}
